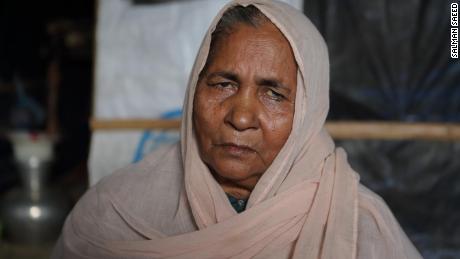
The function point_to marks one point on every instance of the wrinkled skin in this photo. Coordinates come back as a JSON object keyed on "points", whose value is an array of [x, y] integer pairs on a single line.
{"points": [[244, 105]]}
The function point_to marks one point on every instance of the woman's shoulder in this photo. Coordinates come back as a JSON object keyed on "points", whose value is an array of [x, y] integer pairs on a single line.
{"points": [[157, 177], [146, 189], [379, 233]]}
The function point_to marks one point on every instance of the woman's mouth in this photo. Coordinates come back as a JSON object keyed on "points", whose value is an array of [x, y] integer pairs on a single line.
{"points": [[236, 150]]}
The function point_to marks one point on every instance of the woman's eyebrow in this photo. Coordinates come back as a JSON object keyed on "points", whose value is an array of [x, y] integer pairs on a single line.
{"points": [[225, 74], [272, 82]]}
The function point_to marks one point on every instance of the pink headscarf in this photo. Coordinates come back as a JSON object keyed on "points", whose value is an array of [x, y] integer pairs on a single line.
{"points": [[293, 199]]}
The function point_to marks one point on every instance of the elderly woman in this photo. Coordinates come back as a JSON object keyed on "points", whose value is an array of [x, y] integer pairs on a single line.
{"points": [[255, 174]]}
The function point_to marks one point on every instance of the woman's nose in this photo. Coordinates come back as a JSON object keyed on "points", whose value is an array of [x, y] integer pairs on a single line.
{"points": [[243, 113]]}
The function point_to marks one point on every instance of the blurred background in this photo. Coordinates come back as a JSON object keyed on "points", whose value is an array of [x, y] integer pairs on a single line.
{"points": [[89, 86]]}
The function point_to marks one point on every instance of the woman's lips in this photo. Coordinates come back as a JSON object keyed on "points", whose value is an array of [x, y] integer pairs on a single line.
{"points": [[236, 150]]}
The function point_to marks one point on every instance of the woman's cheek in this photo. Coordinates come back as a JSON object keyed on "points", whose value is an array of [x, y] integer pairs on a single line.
{"points": [[277, 119], [279, 115], [206, 111]]}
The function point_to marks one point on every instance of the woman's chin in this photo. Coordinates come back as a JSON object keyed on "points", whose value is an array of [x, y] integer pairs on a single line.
{"points": [[237, 172]]}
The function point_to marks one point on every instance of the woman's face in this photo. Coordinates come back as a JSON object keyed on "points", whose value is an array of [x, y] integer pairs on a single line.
{"points": [[244, 103]]}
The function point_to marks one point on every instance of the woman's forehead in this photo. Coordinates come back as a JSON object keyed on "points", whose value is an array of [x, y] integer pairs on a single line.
{"points": [[237, 15], [245, 44], [250, 49]]}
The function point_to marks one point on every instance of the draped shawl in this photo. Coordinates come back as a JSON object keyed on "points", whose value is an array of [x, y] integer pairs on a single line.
{"points": [[308, 204]]}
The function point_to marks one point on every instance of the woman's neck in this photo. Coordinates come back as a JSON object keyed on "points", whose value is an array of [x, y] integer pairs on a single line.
{"points": [[236, 192], [238, 189]]}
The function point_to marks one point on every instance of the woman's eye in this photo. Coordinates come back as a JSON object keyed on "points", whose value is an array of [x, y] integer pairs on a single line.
{"points": [[276, 96], [221, 84], [224, 84]]}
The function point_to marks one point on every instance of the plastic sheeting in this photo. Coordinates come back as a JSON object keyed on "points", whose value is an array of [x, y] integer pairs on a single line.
{"points": [[144, 54], [420, 182], [390, 60]]}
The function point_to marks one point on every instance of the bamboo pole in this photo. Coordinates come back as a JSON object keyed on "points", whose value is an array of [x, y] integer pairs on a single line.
{"points": [[134, 124], [393, 130], [337, 129]]}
